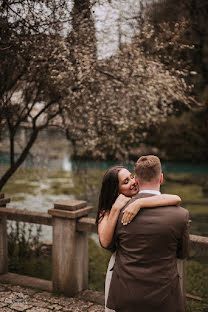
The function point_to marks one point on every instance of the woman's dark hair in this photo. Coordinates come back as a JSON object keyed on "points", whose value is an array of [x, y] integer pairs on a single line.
{"points": [[109, 191]]}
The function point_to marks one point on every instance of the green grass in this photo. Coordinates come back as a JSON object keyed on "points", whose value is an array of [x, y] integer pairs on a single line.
{"points": [[98, 262], [197, 279], [196, 209], [188, 192], [18, 198], [35, 266], [196, 306], [57, 188], [30, 174], [24, 251], [191, 188], [23, 182], [59, 173], [11, 189]]}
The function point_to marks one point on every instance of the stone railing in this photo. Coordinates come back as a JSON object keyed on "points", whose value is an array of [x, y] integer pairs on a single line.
{"points": [[70, 244]]}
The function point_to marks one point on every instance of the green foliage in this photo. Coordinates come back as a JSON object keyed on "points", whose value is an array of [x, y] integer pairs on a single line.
{"points": [[199, 223], [197, 285], [178, 38], [197, 279], [181, 138], [196, 306], [98, 262], [188, 187], [24, 252]]}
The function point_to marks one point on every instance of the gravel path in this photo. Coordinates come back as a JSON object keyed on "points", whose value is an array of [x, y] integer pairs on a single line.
{"points": [[17, 298]]}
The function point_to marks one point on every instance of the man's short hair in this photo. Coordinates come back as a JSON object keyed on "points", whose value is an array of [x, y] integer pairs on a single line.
{"points": [[148, 168]]}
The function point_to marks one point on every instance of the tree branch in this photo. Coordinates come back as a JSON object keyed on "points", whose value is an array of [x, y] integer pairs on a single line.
{"points": [[110, 75]]}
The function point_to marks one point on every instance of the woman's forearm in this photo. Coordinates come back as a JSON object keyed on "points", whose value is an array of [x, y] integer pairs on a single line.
{"points": [[107, 226], [158, 200]]}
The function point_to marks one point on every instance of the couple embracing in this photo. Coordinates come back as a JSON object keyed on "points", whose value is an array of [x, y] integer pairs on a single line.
{"points": [[147, 232]]}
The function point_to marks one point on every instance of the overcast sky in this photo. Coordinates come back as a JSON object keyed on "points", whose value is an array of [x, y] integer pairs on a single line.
{"points": [[115, 22]]}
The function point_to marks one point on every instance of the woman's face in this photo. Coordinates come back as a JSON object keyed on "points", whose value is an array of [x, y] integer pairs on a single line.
{"points": [[127, 184]]}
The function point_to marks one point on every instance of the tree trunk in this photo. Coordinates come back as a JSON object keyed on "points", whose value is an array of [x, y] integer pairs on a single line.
{"points": [[11, 149], [22, 157]]}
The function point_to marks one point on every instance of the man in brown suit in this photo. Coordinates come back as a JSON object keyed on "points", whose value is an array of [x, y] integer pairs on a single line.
{"points": [[145, 276]]}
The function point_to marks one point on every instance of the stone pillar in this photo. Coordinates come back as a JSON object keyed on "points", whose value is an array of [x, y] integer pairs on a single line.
{"points": [[70, 248], [181, 264], [3, 237]]}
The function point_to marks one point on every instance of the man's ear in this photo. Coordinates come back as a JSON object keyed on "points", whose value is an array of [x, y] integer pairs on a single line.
{"points": [[161, 178], [136, 180]]}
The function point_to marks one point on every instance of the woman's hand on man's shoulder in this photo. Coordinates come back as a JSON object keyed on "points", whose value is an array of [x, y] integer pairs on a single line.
{"points": [[120, 202]]}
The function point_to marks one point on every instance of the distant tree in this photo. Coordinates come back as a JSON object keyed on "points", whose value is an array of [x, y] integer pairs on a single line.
{"points": [[32, 58], [178, 37], [131, 93]]}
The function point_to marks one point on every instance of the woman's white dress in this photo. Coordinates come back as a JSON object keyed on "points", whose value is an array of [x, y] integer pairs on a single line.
{"points": [[108, 279]]}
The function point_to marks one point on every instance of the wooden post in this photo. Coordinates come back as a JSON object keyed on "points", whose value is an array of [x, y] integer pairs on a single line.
{"points": [[3, 238], [181, 264], [70, 248]]}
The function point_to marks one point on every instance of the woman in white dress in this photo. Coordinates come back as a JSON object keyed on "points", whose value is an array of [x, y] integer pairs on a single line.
{"points": [[118, 187]]}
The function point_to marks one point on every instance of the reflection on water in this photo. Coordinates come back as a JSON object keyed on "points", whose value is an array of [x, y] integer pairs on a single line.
{"points": [[66, 164], [176, 167], [49, 175]]}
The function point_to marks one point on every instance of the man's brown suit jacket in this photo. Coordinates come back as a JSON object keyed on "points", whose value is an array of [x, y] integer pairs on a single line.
{"points": [[145, 277]]}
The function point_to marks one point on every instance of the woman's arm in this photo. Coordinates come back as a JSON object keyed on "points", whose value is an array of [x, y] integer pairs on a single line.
{"points": [[107, 225], [152, 201]]}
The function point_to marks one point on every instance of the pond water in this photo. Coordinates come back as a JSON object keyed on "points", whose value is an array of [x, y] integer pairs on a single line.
{"points": [[49, 175]]}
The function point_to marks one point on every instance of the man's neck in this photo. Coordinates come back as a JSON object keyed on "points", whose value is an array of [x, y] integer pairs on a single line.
{"points": [[149, 187], [154, 192]]}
